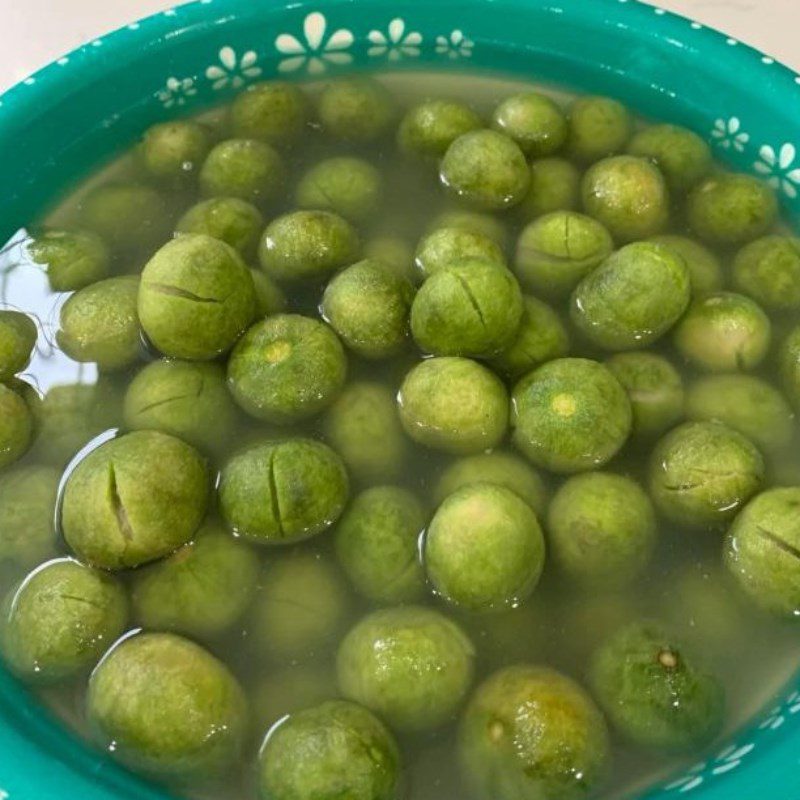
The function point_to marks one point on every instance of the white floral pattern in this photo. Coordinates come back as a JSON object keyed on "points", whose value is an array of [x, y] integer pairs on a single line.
{"points": [[729, 135], [233, 71], [725, 761], [780, 713], [456, 45], [318, 50], [780, 168], [396, 42], [175, 93]]}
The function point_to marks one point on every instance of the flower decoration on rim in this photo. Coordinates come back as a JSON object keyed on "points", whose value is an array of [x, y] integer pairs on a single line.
{"points": [[729, 134], [396, 42], [176, 92], [318, 50], [725, 761], [780, 713], [456, 45], [233, 71], [780, 168]]}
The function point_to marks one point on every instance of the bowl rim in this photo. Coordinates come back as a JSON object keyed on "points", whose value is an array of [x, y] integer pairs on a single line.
{"points": [[22, 101]]}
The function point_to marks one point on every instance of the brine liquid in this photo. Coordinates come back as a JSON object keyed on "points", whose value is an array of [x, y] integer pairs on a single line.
{"points": [[561, 624]]}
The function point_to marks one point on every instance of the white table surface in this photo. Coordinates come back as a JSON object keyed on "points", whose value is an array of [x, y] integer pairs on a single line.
{"points": [[34, 32]]}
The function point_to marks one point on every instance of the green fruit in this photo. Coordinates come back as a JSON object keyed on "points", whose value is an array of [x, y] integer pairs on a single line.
{"points": [[470, 308], [570, 415], [134, 499], [196, 297], [541, 337], [530, 733], [598, 127], [307, 245], [655, 390], [761, 551], [555, 186], [100, 324], [184, 398], [163, 705], [768, 270], [363, 426], [556, 251], [174, 151], [410, 665], [357, 109], [368, 305], [486, 169], [348, 186], [730, 210], [455, 405], [377, 543], [602, 529], [301, 608], [628, 195], [27, 515], [332, 751], [245, 168], [533, 121], [428, 129], [484, 548], [745, 403], [274, 112], [61, 620], [73, 259], [283, 491], [444, 247], [681, 155], [201, 590], [653, 693], [724, 332], [287, 368], [633, 298], [702, 473], [229, 219]]}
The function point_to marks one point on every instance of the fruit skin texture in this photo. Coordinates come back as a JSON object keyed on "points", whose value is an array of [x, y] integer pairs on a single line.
{"points": [[570, 415], [768, 270], [331, 751], [701, 473], [455, 405], [376, 544], [60, 620], [530, 733], [279, 492], [17, 340], [602, 529], [761, 551], [469, 308], [730, 210], [368, 305], [484, 548], [486, 169], [724, 332], [653, 693], [628, 195], [196, 297], [655, 389], [134, 499], [409, 664], [363, 426], [287, 368], [170, 707], [28, 498], [633, 298]]}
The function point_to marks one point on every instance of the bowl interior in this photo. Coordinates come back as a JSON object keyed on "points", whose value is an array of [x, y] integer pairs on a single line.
{"points": [[75, 114]]}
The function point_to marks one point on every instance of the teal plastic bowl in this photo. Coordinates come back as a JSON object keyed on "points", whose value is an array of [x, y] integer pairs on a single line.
{"points": [[73, 115]]}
